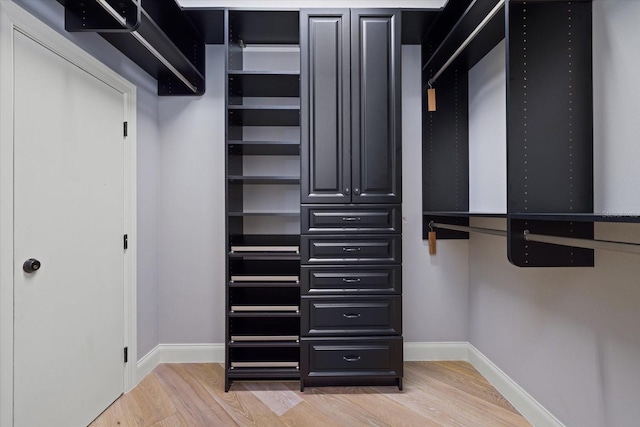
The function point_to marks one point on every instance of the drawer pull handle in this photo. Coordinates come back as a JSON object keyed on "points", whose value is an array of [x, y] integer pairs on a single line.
{"points": [[351, 358], [351, 315], [351, 218], [345, 280], [351, 249]]}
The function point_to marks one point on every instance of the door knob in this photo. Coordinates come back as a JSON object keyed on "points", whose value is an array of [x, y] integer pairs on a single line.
{"points": [[31, 265]]}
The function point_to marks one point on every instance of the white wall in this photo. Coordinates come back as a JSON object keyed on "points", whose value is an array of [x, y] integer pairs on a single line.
{"points": [[435, 288], [488, 133], [192, 212], [570, 336], [148, 155], [616, 60]]}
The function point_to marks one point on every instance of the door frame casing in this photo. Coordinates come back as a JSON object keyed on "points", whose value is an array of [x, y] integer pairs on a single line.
{"points": [[13, 18]]}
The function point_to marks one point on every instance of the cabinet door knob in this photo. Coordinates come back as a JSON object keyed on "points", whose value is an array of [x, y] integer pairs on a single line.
{"points": [[347, 191], [356, 190]]}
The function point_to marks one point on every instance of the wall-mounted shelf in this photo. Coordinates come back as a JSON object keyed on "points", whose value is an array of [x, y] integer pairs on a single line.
{"points": [[263, 210], [264, 179], [264, 148], [264, 83], [485, 40], [549, 144], [258, 338], [264, 308], [155, 34], [578, 217], [263, 213], [262, 314], [264, 115], [456, 214]]}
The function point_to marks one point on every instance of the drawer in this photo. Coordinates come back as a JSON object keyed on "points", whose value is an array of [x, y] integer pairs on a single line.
{"points": [[340, 218], [351, 357], [348, 250], [318, 280], [372, 315]]}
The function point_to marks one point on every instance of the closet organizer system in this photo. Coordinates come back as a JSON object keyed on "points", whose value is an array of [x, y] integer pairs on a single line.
{"points": [[313, 214], [313, 196], [550, 218]]}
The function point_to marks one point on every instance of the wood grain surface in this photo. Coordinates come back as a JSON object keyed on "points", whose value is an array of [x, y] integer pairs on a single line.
{"points": [[191, 395]]}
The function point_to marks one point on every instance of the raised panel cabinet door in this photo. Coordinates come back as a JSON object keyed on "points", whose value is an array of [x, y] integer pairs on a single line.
{"points": [[376, 107], [325, 106]]}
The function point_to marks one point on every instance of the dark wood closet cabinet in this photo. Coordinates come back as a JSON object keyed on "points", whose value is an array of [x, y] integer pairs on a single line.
{"points": [[350, 105], [350, 248]]}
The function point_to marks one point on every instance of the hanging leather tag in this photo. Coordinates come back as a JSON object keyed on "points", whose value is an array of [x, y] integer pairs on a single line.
{"points": [[431, 99], [432, 243]]}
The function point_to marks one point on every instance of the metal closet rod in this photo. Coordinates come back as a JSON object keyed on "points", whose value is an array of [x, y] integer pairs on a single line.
{"points": [[609, 245], [123, 21], [468, 40], [468, 229]]}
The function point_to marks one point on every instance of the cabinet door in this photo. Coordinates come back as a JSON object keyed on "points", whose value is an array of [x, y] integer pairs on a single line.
{"points": [[325, 106], [376, 115]]}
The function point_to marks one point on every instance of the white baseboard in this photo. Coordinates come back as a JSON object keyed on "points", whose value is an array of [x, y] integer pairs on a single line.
{"points": [[430, 351], [179, 353], [530, 408], [148, 363]]}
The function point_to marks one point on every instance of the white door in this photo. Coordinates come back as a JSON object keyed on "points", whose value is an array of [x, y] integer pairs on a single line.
{"points": [[68, 215]]}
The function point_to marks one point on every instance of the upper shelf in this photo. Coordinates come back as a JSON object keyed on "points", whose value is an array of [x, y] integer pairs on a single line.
{"points": [[264, 26], [564, 217], [264, 83], [486, 39], [578, 217], [154, 34], [264, 115], [456, 214], [264, 148]]}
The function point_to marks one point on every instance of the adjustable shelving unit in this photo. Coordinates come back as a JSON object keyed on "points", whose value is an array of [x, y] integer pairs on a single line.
{"points": [[549, 126], [155, 34], [263, 206]]}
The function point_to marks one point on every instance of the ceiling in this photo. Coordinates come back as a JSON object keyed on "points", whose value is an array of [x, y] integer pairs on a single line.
{"points": [[296, 4]]}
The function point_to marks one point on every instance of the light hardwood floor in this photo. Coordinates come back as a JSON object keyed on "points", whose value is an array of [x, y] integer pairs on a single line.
{"points": [[435, 394]]}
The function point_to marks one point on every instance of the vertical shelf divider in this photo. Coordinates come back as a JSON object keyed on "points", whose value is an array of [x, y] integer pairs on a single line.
{"points": [[262, 175]]}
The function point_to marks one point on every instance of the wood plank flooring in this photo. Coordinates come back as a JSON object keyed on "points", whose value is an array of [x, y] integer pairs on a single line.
{"points": [[435, 394]]}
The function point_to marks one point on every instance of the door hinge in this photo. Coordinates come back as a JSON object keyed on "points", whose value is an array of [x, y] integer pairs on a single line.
{"points": [[126, 241], [126, 354], [126, 128]]}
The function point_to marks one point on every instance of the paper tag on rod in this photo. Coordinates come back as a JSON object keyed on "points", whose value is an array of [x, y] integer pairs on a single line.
{"points": [[431, 99], [432, 243]]}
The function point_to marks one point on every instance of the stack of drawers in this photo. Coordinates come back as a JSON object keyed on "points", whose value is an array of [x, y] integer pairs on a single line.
{"points": [[351, 295]]}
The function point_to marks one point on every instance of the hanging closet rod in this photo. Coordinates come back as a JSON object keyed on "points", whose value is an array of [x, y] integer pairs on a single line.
{"points": [[583, 243], [123, 21], [467, 229], [111, 11], [468, 40]]}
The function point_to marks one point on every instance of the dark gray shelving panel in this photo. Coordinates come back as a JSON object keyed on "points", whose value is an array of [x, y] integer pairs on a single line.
{"points": [[549, 124], [549, 128], [263, 267], [164, 27]]}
